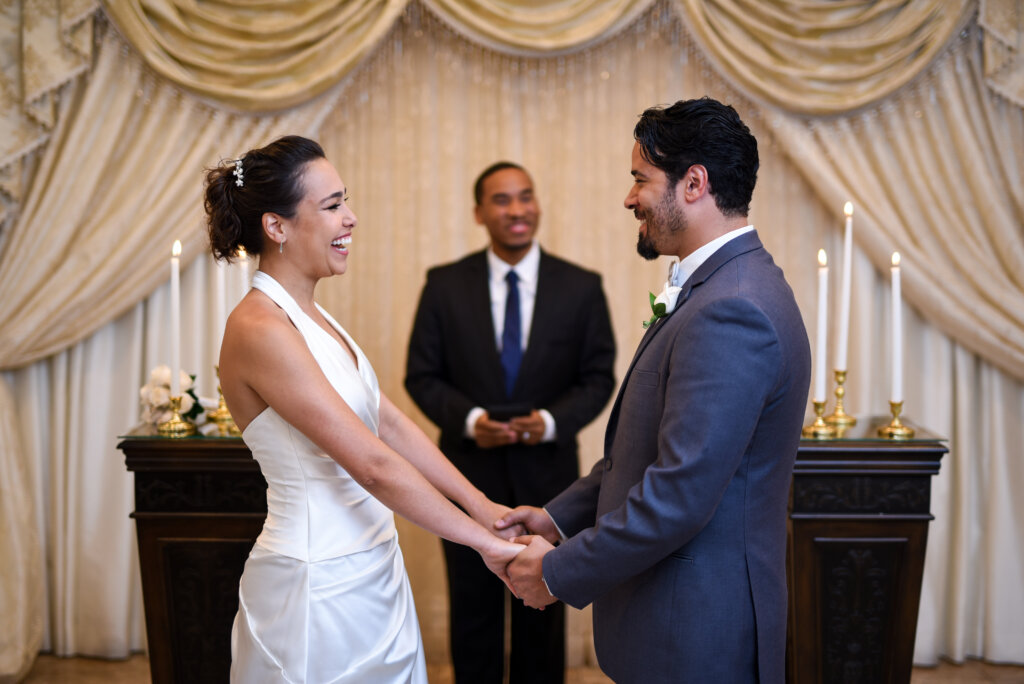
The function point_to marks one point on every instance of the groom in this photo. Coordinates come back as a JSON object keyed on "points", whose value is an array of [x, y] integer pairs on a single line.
{"points": [[678, 535]]}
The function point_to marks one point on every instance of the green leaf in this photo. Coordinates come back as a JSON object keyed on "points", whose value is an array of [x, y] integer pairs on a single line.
{"points": [[196, 409]]}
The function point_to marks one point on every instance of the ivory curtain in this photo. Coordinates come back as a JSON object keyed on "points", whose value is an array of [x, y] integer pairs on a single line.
{"points": [[409, 123]]}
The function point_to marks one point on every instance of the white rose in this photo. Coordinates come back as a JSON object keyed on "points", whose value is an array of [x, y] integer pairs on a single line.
{"points": [[161, 375], [668, 296], [186, 381], [159, 396], [186, 403]]}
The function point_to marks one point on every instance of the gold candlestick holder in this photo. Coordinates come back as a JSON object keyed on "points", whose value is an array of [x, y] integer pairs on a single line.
{"points": [[220, 416], [819, 429], [839, 418], [895, 429], [177, 426]]}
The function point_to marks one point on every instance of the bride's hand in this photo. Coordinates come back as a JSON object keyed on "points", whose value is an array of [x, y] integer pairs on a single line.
{"points": [[490, 512], [497, 556]]}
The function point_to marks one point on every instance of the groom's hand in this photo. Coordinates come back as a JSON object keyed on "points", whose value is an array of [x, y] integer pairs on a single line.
{"points": [[526, 572], [536, 520]]}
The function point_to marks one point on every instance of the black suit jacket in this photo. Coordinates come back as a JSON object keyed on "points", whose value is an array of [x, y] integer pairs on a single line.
{"points": [[567, 368]]}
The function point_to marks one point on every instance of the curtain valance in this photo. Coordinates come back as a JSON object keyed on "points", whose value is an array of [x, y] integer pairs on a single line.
{"points": [[1003, 23], [822, 58], [254, 57], [51, 43], [808, 58]]}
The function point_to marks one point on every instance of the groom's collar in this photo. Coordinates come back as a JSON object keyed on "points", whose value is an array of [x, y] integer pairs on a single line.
{"points": [[681, 271]]}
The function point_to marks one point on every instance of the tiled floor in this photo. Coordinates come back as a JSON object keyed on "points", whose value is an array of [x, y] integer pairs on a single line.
{"points": [[135, 670]]}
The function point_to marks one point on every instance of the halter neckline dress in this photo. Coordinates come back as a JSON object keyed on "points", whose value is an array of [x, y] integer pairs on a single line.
{"points": [[324, 596]]}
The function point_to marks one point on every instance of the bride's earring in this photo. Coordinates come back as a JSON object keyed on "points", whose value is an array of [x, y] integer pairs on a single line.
{"points": [[280, 247]]}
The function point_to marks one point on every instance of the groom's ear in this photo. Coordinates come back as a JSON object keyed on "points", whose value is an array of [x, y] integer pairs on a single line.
{"points": [[693, 185]]}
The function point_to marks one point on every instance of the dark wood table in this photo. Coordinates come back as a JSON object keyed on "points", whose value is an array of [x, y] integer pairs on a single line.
{"points": [[858, 525], [200, 503], [857, 532]]}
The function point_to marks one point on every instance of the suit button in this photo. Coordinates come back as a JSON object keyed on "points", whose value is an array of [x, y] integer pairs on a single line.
{"points": [[607, 464]]}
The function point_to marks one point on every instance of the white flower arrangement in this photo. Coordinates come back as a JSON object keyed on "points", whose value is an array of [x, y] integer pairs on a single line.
{"points": [[155, 397]]}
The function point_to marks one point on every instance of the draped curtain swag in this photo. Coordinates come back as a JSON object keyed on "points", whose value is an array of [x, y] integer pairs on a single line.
{"points": [[104, 138], [1003, 22], [825, 57], [43, 45]]}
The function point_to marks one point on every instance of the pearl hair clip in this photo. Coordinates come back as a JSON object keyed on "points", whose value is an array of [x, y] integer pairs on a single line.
{"points": [[238, 173]]}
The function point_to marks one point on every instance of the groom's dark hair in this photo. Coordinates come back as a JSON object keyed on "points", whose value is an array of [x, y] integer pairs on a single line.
{"points": [[705, 132]]}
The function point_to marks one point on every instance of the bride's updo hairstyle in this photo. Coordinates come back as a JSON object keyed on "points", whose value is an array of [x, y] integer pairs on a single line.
{"points": [[240, 191]]}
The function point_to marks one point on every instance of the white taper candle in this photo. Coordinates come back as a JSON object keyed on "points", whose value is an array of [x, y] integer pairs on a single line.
{"points": [[844, 292], [175, 320], [219, 301], [243, 272], [820, 341], [897, 331]]}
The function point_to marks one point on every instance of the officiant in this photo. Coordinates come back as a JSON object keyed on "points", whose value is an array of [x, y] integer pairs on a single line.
{"points": [[511, 355]]}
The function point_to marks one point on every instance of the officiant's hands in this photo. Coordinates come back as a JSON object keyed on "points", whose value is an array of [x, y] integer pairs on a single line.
{"points": [[489, 434], [526, 572], [535, 520], [529, 429]]}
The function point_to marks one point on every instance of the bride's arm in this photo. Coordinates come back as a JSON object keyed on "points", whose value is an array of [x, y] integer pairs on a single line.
{"points": [[399, 432], [264, 356]]}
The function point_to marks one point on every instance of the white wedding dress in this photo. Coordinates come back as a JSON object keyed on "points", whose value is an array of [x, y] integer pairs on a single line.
{"points": [[324, 596]]}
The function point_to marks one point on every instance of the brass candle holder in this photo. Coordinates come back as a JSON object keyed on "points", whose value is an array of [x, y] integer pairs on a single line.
{"points": [[839, 418], [220, 416], [819, 429], [895, 429], [177, 426]]}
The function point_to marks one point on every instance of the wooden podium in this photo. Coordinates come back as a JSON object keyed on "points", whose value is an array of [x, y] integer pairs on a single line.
{"points": [[858, 525], [200, 503]]}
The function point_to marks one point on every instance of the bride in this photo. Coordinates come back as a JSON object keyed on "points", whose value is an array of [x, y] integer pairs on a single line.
{"points": [[324, 596]]}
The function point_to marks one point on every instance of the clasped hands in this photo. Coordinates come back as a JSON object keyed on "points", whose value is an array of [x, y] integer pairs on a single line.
{"points": [[527, 429], [524, 573]]}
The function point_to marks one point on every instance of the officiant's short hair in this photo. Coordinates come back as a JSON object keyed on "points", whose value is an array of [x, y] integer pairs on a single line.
{"points": [[478, 186]]}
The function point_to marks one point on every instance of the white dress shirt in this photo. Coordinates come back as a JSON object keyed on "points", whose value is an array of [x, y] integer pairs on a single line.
{"points": [[527, 271]]}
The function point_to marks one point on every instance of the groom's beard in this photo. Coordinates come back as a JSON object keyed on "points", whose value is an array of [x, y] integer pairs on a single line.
{"points": [[645, 247], [663, 219]]}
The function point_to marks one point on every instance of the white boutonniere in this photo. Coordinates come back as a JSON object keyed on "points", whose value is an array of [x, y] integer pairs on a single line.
{"points": [[663, 304]]}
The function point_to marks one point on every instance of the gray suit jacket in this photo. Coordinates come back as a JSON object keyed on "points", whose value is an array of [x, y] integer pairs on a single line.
{"points": [[678, 535]]}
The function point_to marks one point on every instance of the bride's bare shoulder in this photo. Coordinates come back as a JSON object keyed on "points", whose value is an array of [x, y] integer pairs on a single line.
{"points": [[257, 321]]}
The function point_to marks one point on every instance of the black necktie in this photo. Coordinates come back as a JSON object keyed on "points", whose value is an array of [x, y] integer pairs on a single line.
{"points": [[512, 335]]}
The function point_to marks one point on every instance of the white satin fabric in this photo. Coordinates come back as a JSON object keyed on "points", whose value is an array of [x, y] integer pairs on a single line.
{"points": [[324, 596]]}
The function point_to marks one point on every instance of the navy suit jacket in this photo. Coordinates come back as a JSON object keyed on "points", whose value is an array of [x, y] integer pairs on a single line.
{"points": [[567, 369], [678, 536]]}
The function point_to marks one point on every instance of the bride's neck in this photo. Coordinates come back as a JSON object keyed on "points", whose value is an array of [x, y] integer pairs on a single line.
{"points": [[298, 285]]}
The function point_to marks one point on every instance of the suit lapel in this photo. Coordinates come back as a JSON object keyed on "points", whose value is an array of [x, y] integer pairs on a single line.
{"points": [[479, 333], [545, 308], [744, 243]]}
